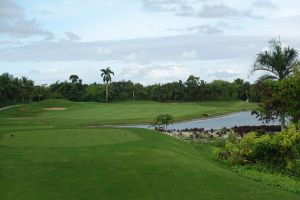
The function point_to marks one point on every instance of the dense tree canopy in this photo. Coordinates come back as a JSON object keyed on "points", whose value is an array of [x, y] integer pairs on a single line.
{"points": [[14, 90]]}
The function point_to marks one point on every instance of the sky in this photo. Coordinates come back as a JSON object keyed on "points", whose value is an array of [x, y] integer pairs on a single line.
{"points": [[146, 41]]}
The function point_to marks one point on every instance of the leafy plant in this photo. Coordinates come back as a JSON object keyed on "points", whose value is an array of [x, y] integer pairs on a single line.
{"points": [[281, 151], [163, 120]]}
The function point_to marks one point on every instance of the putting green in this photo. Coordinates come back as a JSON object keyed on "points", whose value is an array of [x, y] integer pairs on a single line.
{"points": [[67, 138]]}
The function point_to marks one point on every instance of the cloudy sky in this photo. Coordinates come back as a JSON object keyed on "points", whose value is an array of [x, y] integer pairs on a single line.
{"points": [[147, 41]]}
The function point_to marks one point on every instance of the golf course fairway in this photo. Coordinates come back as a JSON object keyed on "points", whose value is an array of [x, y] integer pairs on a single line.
{"points": [[58, 154]]}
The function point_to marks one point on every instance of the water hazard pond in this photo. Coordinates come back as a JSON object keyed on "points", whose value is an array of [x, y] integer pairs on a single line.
{"points": [[228, 121]]}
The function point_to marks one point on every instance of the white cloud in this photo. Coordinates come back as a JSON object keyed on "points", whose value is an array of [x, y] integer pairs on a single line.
{"points": [[151, 50], [205, 28], [265, 4], [14, 23], [224, 75], [10, 42], [104, 50], [189, 54], [149, 74], [217, 11], [131, 57]]}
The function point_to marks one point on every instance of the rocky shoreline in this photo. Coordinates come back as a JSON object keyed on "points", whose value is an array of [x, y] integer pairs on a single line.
{"points": [[201, 133]]}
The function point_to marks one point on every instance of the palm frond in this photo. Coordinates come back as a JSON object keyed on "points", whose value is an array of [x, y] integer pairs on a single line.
{"points": [[279, 61], [263, 61], [290, 57], [106, 74], [267, 77]]}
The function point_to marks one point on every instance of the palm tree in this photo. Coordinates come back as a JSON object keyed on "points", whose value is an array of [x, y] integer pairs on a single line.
{"points": [[106, 75], [278, 62]]}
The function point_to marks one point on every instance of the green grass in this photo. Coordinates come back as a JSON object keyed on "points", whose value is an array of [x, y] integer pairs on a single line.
{"points": [[85, 114], [53, 156], [66, 138], [276, 179]]}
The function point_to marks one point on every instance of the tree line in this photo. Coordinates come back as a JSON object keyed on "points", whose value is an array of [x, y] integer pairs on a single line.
{"points": [[22, 90]]}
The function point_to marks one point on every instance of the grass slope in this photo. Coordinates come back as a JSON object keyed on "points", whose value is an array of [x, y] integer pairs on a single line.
{"points": [[52, 156]]}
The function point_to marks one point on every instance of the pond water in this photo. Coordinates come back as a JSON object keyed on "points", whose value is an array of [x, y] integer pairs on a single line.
{"points": [[228, 121]]}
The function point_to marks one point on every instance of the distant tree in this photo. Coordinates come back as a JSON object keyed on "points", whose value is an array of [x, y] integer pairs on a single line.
{"points": [[40, 92], [6, 86], [174, 91], [106, 75], [242, 88], [163, 120], [222, 90], [278, 62], [74, 78], [28, 89], [94, 92], [192, 84]]}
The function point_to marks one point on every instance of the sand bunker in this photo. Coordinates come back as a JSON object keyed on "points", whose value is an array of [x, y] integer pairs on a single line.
{"points": [[55, 108]]}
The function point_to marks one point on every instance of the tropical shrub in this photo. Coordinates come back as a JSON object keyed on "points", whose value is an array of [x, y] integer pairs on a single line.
{"points": [[163, 120], [280, 151]]}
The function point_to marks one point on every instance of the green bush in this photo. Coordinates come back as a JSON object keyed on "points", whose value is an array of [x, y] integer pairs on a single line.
{"points": [[232, 136], [281, 150], [163, 120]]}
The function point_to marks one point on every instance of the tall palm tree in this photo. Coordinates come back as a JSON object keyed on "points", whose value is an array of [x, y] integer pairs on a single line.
{"points": [[278, 62], [106, 75]]}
